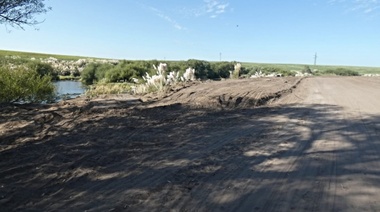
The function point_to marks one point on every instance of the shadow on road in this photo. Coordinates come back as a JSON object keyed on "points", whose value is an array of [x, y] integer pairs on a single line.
{"points": [[298, 157]]}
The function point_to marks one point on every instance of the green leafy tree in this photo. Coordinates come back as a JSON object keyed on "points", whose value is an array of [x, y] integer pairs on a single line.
{"points": [[18, 13], [101, 70], [126, 70], [222, 69], [88, 74], [201, 68]]}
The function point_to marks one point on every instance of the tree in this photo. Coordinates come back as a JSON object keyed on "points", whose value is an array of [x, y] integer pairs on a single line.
{"points": [[88, 74], [18, 13], [201, 68]]}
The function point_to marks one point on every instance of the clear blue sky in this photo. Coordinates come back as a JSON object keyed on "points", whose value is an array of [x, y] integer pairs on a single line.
{"points": [[342, 32]]}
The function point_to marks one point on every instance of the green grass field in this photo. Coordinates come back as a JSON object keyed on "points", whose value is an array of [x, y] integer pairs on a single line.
{"points": [[298, 67], [286, 67], [28, 55]]}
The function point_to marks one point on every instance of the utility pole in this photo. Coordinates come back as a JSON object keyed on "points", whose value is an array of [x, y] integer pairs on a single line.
{"points": [[220, 56], [315, 59]]}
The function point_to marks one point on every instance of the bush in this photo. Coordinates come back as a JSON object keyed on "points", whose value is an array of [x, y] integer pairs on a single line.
{"points": [[43, 69], [127, 71], [124, 71], [202, 68], [341, 72], [272, 70], [101, 70], [26, 86], [94, 72], [222, 69], [108, 88], [307, 70]]}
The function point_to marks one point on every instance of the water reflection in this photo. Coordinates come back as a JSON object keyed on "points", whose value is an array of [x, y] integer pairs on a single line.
{"points": [[69, 89]]}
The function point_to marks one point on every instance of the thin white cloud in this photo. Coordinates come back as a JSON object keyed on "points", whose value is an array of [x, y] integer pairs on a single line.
{"points": [[209, 8], [215, 7], [366, 6], [160, 14], [362, 6], [221, 8]]}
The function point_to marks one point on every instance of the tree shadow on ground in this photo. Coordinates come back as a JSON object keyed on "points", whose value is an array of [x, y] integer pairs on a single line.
{"points": [[294, 157]]}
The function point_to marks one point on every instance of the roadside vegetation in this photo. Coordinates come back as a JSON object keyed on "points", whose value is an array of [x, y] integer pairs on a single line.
{"points": [[26, 81], [25, 85], [103, 76], [134, 71], [340, 72], [107, 88], [140, 77]]}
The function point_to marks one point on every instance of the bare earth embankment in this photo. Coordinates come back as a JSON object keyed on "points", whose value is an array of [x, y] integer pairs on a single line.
{"points": [[236, 145]]}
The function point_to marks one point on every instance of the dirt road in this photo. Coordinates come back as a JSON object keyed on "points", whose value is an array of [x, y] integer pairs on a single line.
{"points": [[247, 145]]}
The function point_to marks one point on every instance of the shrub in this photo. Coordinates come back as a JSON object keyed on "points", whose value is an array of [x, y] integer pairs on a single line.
{"points": [[124, 71], [107, 88], [275, 70], [270, 70], [26, 86], [88, 73], [222, 69], [202, 68], [95, 72], [341, 72], [43, 69], [101, 70], [306, 70]]}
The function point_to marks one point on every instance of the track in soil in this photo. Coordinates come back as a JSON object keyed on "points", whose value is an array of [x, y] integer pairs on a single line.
{"points": [[316, 148]]}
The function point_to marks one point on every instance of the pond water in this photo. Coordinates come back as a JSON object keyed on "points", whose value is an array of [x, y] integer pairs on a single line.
{"points": [[69, 89]]}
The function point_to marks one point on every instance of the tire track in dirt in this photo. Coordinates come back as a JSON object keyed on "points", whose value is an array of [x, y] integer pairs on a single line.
{"points": [[230, 174], [213, 142], [344, 143]]}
